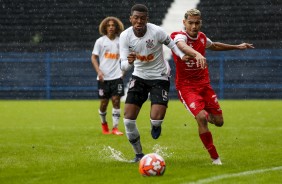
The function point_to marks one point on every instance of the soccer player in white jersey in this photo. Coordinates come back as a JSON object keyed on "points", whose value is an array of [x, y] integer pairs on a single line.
{"points": [[141, 47], [105, 60]]}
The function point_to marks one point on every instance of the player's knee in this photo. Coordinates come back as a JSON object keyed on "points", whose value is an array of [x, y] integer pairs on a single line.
{"points": [[104, 104], [116, 103], [201, 117], [218, 123]]}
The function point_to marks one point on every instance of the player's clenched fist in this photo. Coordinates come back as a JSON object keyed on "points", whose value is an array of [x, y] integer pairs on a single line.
{"points": [[131, 57]]}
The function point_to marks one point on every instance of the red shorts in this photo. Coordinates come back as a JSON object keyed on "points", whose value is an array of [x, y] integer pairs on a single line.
{"points": [[196, 99]]}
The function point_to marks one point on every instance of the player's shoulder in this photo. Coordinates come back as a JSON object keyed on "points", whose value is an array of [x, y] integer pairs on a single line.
{"points": [[126, 32], [154, 27], [101, 39], [173, 34], [151, 25]]}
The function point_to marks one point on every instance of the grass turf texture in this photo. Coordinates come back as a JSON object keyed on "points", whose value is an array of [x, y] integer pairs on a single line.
{"points": [[61, 142]]}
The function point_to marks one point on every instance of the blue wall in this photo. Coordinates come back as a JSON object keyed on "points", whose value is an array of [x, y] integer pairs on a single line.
{"points": [[250, 74]]}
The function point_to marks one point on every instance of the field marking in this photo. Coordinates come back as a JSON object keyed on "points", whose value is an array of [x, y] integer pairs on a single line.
{"points": [[245, 173]]}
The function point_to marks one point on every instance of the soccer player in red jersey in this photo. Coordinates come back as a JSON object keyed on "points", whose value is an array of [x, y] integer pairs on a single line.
{"points": [[192, 77]]}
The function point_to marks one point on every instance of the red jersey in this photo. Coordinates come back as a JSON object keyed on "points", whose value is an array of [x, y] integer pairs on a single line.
{"points": [[187, 73]]}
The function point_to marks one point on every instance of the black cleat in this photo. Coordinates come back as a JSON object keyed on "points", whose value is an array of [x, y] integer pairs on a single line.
{"points": [[156, 131], [137, 158]]}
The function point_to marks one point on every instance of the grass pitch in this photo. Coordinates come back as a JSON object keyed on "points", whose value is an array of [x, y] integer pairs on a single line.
{"points": [[61, 142]]}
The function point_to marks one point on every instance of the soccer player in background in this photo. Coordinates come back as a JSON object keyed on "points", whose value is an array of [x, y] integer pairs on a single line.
{"points": [[105, 60], [192, 80], [141, 48]]}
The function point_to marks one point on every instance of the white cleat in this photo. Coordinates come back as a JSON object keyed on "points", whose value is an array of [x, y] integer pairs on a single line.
{"points": [[216, 161]]}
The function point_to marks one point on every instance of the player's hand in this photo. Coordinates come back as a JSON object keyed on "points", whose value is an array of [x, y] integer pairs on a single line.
{"points": [[201, 61], [243, 46], [101, 76], [131, 57], [186, 58]]}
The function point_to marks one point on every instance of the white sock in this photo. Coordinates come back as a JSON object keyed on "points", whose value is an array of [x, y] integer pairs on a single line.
{"points": [[156, 123], [102, 116], [133, 135], [115, 116]]}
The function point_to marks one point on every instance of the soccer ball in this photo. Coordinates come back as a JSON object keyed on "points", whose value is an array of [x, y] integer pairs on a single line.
{"points": [[152, 165]]}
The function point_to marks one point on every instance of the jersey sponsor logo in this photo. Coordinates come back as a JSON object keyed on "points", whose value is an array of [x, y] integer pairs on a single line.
{"points": [[150, 43], [109, 55], [148, 58], [190, 63]]}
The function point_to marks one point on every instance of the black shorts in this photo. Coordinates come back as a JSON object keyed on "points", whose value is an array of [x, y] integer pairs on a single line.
{"points": [[110, 88], [139, 90]]}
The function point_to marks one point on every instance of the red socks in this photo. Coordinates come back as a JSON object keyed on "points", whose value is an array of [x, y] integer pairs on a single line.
{"points": [[208, 143]]}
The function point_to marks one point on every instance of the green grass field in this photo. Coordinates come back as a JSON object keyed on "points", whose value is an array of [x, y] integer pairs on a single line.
{"points": [[60, 142]]}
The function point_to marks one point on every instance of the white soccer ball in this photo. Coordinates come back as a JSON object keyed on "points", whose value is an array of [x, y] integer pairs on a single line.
{"points": [[152, 164]]}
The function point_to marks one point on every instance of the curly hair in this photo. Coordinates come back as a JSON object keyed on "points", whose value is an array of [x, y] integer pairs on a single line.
{"points": [[103, 25]]}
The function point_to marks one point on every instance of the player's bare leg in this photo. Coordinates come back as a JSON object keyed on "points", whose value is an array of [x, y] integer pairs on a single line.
{"points": [[217, 120], [206, 136]]}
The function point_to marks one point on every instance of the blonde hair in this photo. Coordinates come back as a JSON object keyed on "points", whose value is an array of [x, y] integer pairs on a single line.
{"points": [[104, 23], [192, 12]]}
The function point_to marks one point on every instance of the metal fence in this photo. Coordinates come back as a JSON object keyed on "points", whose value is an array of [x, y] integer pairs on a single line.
{"points": [[250, 74]]}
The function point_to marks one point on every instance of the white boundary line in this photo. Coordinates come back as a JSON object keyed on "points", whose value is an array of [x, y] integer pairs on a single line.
{"points": [[224, 176]]}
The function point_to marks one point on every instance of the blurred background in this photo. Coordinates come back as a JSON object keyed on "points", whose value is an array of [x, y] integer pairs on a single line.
{"points": [[46, 45]]}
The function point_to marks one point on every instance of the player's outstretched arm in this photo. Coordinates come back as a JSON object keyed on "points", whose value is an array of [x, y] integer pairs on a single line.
{"points": [[244, 46], [218, 46]]}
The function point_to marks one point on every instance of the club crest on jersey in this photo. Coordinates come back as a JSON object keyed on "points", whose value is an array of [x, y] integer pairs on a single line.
{"points": [[203, 41], [150, 43]]}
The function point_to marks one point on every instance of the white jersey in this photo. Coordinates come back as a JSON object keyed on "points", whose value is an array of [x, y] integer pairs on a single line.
{"points": [[108, 52], [150, 63]]}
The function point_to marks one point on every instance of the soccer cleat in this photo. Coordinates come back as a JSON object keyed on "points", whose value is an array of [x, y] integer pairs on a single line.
{"points": [[216, 161], [115, 131], [105, 128], [137, 158], [156, 131]]}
